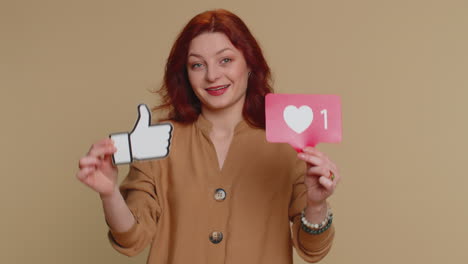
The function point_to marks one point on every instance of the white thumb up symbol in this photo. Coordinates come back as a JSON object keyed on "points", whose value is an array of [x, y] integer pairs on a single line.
{"points": [[144, 142]]}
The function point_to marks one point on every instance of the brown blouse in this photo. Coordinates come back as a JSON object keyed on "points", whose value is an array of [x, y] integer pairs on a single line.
{"points": [[190, 211]]}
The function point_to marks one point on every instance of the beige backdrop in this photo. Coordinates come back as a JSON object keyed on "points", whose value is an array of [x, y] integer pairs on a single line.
{"points": [[73, 71]]}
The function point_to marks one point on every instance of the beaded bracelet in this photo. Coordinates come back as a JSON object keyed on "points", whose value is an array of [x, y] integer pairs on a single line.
{"points": [[316, 229]]}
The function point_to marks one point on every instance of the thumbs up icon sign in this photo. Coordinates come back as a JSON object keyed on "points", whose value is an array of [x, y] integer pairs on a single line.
{"points": [[144, 142]]}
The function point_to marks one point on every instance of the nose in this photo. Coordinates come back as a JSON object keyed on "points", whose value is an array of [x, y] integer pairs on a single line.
{"points": [[212, 73]]}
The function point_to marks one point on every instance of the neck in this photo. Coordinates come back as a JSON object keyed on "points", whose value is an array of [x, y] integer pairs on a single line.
{"points": [[224, 121]]}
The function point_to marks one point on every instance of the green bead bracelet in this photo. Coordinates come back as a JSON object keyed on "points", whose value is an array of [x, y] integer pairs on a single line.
{"points": [[318, 231]]}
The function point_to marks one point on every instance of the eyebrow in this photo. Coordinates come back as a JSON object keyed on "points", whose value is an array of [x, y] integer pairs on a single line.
{"points": [[200, 56]]}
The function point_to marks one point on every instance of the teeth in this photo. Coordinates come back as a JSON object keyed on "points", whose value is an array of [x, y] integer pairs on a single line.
{"points": [[222, 87]]}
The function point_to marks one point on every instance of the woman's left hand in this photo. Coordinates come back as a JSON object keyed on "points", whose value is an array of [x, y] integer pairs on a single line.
{"points": [[321, 177]]}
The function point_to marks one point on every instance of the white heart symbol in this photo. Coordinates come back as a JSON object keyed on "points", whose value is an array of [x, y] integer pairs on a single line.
{"points": [[298, 119]]}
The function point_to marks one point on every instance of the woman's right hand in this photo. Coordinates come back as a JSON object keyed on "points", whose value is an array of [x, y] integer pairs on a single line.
{"points": [[97, 170]]}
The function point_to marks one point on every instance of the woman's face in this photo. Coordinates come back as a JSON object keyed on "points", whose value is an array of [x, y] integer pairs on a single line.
{"points": [[217, 72]]}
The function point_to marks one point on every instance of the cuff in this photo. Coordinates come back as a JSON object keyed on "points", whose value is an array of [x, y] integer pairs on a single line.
{"points": [[127, 238], [320, 243]]}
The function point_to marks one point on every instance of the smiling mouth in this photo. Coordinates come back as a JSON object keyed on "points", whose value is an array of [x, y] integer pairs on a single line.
{"points": [[218, 88]]}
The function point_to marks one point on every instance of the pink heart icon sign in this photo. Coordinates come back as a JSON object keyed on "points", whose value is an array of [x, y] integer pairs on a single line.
{"points": [[303, 119]]}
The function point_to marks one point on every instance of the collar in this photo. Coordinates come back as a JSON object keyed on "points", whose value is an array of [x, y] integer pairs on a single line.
{"points": [[205, 126]]}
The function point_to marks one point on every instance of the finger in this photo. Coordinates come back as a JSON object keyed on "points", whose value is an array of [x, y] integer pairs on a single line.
{"points": [[313, 151], [100, 151], [84, 173], [318, 171], [88, 161], [144, 117], [327, 183], [108, 160], [333, 167], [337, 177], [101, 143], [312, 160]]}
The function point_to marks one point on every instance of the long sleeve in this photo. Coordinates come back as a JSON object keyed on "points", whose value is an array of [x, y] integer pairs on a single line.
{"points": [[182, 202], [139, 191], [311, 248]]}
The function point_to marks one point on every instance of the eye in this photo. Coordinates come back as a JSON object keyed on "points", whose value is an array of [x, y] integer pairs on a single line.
{"points": [[196, 65], [225, 60]]}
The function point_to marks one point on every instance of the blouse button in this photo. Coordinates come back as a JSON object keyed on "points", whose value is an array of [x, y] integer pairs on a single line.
{"points": [[216, 237], [220, 195]]}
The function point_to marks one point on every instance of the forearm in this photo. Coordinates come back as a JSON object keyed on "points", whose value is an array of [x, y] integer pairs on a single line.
{"points": [[316, 213], [313, 247], [118, 215]]}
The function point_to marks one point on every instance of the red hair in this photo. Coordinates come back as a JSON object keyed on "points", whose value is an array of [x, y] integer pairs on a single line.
{"points": [[176, 91]]}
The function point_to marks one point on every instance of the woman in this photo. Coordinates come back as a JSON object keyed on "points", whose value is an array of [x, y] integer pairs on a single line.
{"points": [[223, 195]]}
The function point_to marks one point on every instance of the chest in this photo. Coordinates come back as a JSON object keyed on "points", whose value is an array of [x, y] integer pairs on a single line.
{"points": [[221, 147], [244, 164]]}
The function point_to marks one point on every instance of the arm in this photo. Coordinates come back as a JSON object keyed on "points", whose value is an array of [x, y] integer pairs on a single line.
{"points": [[117, 214], [311, 248], [132, 216], [131, 212]]}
